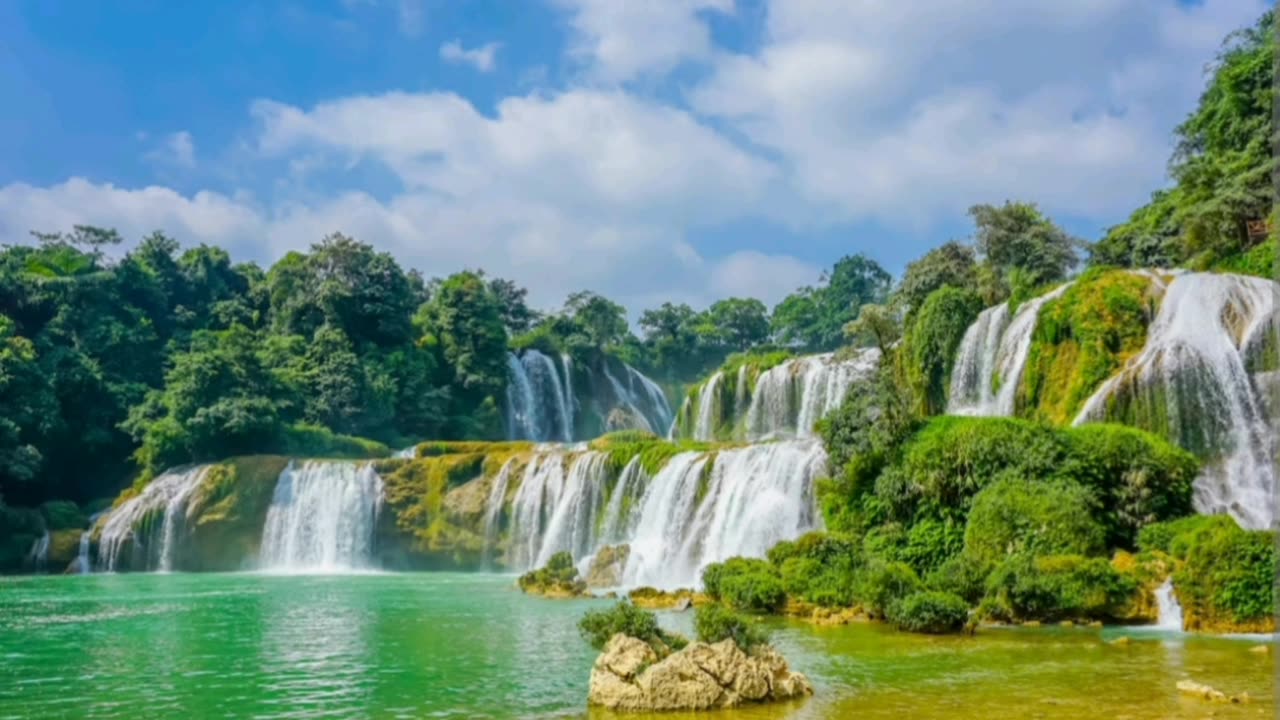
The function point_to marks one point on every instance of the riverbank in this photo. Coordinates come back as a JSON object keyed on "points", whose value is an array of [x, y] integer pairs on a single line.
{"points": [[472, 645]]}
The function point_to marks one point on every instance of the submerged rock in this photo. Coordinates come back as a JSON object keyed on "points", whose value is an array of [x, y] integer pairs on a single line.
{"points": [[1205, 692], [607, 566], [629, 676]]}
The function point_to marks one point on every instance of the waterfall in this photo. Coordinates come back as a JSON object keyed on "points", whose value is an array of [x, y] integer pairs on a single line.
{"points": [[408, 453], [569, 400], [39, 555], [701, 507], [322, 517], [1170, 617], [83, 563], [538, 408], [493, 507], [708, 403], [134, 520], [658, 409], [1192, 383], [790, 398], [992, 357]]}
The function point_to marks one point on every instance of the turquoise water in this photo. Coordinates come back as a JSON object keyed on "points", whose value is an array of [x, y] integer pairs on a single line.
{"points": [[446, 645]]}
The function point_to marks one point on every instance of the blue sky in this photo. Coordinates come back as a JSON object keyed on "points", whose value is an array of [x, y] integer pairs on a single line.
{"points": [[668, 150]]}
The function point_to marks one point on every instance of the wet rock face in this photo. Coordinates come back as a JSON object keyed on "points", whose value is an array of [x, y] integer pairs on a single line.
{"points": [[607, 566], [629, 676]]}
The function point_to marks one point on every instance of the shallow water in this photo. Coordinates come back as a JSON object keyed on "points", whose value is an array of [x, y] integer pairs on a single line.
{"points": [[448, 645]]}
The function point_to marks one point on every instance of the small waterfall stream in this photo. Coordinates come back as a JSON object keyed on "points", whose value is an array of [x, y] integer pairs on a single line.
{"points": [[38, 557], [790, 398], [541, 404], [84, 565], [1170, 612], [322, 518], [164, 502]]}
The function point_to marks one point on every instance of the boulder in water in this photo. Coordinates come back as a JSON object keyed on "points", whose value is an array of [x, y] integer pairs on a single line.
{"points": [[621, 418], [607, 566], [1205, 692], [629, 676]]}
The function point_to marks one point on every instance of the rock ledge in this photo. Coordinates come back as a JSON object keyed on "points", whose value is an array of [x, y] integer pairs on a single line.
{"points": [[629, 676]]}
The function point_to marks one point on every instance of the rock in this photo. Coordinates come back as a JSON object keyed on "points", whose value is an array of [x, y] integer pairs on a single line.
{"points": [[607, 566], [683, 604], [1096, 625], [629, 676], [1120, 641], [621, 418], [1031, 624], [1261, 649], [1066, 624], [654, 599], [1210, 694]]}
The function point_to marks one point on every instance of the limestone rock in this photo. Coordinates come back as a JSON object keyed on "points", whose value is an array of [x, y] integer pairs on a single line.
{"points": [[629, 676], [607, 566], [1210, 694]]}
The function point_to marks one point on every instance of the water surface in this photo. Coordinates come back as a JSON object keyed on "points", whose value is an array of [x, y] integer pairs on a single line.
{"points": [[445, 645]]}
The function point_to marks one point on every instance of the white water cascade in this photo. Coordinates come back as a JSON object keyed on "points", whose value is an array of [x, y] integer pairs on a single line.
{"points": [[1170, 612], [39, 555], [704, 427], [1199, 380], [538, 406], [700, 508], [135, 520], [322, 518], [84, 565], [790, 398], [493, 507], [992, 357]]}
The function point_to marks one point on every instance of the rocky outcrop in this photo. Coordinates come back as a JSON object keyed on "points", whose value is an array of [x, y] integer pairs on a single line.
{"points": [[655, 599], [607, 566], [1204, 692], [629, 676]]}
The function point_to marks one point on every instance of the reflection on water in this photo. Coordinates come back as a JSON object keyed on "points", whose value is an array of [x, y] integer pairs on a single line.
{"points": [[470, 646]]}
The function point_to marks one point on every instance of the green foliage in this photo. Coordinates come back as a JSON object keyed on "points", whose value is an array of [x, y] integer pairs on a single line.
{"points": [[961, 575], [1015, 516], [1225, 575], [1017, 237], [745, 584], [559, 574], [815, 318], [929, 348], [1081, 339], [713, 624], [302, 440], [819, 567], [599, 626], [1057, 587], [949, 265], [62, 515], [882, 584], [929, 611], [1222, 168]]}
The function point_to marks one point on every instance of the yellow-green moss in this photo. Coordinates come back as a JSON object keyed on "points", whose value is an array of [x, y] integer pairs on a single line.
{"points": [[1081, 339], [229, 510]]}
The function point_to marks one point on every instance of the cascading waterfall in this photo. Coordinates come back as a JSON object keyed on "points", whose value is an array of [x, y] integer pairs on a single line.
{"points": [[83, 564], [493, 508], [537, 404], [39, 555], [322, 518], [701, 507], [790, 398], [992, 357], [569, 400], [1170, 612], [708, 403], [1200, 381], [135, 520]]}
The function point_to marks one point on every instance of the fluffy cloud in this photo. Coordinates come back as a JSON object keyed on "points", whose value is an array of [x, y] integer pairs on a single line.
{"points": [[481, 58], [624, 40], [177, 149]]}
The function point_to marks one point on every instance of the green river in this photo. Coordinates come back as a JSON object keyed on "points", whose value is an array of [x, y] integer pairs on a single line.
{"points": [[445, 645]]}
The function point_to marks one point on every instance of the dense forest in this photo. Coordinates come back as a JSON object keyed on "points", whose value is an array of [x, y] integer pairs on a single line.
{"points": [[119, 364]]}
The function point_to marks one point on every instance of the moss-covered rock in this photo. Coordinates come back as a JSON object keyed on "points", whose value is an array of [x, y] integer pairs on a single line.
{"points": [[64, 548], [1082, 338], [228, 511], [559, 578]]}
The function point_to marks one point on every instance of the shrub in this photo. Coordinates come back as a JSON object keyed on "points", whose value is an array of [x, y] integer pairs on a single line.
{"points": [[1058, 587], [929, 346], [930, 611], [881, 584], [714, 623], [1138, 477], [558, 574], [599, 626], [1225, 579], [62, 515], [961, 575], [752, 585], [931, 542], [716, 575], [1014, 516], [1163, 536]]}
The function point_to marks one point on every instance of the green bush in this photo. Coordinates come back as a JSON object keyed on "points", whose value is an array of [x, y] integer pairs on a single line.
{"points": [[881, 584], [749, 584], [929, 345], [929, 611], [599, 626], [1058, 587], [961, 575], [713, 623], [558, 574], [1225, 575], [63, 515], [1173, 536], [1139, 478], [819, 567], [1014, 516]]}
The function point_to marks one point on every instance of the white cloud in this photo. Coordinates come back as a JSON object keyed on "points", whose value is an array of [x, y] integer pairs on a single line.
{"points": [[177, 149], [481, 58], [623, 40]]}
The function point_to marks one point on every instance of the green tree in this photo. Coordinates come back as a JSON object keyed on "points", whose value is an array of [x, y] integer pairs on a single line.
{"points": [[600, 321], [516, 314], [742, 322], [1018, 237], [949, 264], [815, 318]]}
